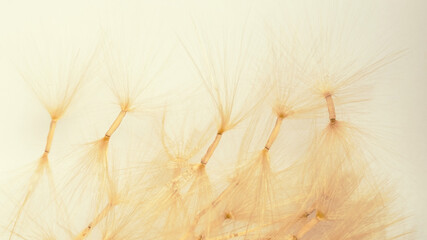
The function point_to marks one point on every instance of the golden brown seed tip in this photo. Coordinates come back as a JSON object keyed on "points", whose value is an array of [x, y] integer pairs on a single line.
{"points": [[331, 108]]}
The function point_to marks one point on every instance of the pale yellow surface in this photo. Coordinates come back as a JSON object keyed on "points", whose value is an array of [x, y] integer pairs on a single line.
{"points": [[400, 102]]}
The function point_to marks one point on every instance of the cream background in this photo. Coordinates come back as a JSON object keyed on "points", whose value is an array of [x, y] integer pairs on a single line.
{"points": [[24, 123]]}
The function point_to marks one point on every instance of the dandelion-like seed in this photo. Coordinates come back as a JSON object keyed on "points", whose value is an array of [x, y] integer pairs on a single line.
{"points": [[269, 144]]}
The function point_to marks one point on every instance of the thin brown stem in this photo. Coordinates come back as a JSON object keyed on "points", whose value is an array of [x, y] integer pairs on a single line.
{"points": [[115, 124], [331, 108], [50, 136], [211, 149], [274, 133], [98, 218]]}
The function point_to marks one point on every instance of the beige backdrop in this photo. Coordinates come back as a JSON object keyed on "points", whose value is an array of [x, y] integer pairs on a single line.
{"points": [[400, 103]]}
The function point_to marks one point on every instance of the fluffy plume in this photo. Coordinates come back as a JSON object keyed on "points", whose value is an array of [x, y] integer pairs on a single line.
{"points": [[296, 166]]}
